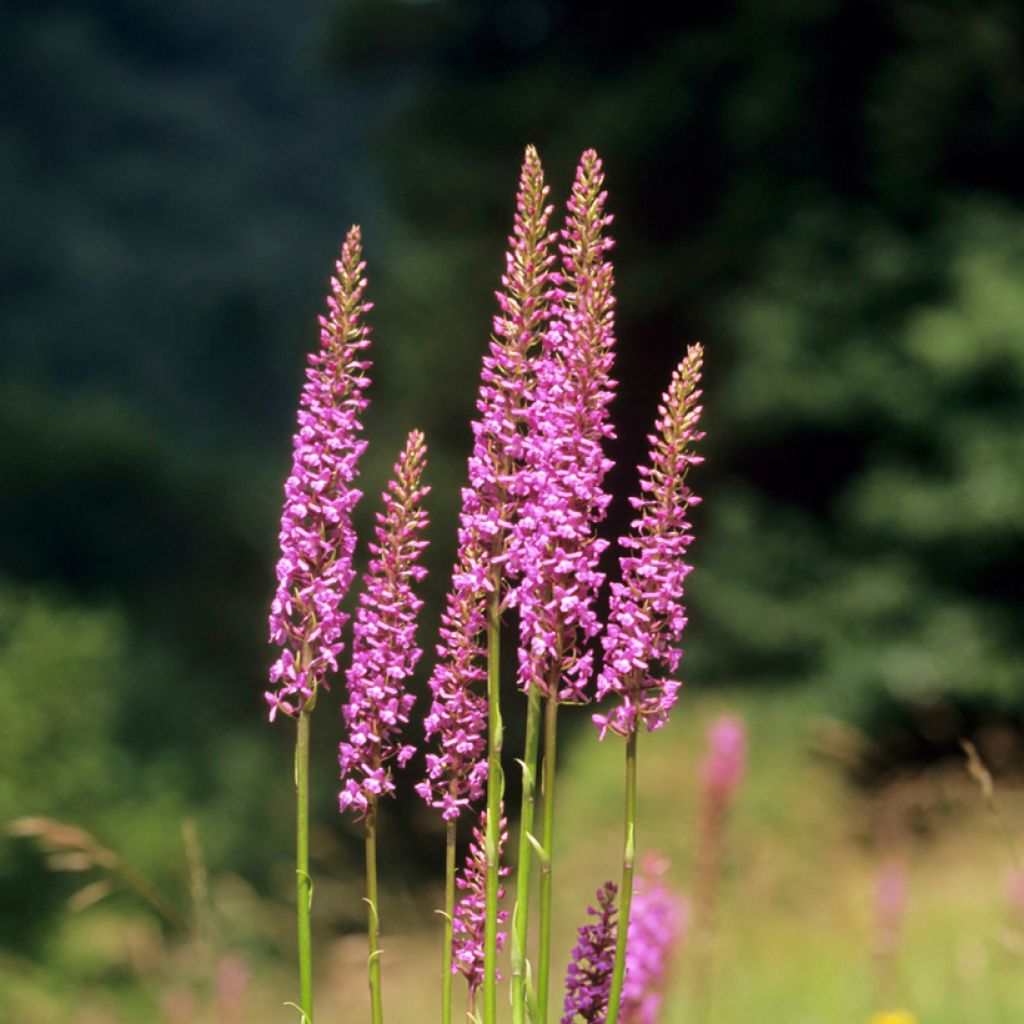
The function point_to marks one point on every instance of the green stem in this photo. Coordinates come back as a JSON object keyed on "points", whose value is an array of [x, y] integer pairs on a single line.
{"points": [[494, 795], [372, 915], [548, 810], [520, 914], [626, 892], [304, 883], [449, 922]]}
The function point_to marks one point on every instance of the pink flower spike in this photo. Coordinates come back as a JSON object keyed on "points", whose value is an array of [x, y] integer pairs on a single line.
{"points": [[555, 550], [658, 921], [722, 769], [1015, 895], [890, 906], [588, 978], [317, 538], [384, 651], [457, 772], [468, 934], [646, 616]]}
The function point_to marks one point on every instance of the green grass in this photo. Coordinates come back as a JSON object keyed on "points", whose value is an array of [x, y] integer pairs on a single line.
{"points": [[795, 935]]}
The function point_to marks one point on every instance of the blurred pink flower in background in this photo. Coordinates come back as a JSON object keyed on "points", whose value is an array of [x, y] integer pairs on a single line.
{"points": [[232, 985], [723, 766], [658, 923], [1015, 895], [890, 906]]}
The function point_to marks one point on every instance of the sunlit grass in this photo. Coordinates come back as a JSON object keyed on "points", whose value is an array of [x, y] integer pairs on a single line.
{"points": [[795, 928]]}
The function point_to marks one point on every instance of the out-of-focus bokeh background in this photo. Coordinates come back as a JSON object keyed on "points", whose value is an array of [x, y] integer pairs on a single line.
{"points": [[828, 193]]}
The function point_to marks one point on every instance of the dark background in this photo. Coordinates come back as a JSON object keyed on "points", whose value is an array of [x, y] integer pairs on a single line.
{"points": [[827, 194]]}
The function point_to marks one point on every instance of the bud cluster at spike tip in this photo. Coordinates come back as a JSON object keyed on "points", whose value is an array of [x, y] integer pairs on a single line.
{"points": [[646, 616], [722, 769], [457, 774], [658, 919], [588, 978], [554, 550], [470, 911], [384, 651], [317, 538]]}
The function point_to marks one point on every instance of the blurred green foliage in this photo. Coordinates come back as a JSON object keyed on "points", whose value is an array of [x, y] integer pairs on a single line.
{"points": [[827, 193], [823, 192]]}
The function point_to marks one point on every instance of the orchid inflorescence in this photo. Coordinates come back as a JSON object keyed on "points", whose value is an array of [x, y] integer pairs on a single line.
{"points": [[528, 542], [317, 538], [384, 651]]}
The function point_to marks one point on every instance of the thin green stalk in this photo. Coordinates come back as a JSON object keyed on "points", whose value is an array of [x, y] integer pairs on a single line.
{"points": [[372, 915], [449, 922], [304, 883], [547, 841], [494, 794], [626, 891], [520, 913]]}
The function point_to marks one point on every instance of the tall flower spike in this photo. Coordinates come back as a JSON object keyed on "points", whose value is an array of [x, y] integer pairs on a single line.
{"points": [[317, 538], [468, 942], [384, 650], [646, 617], [555, 549], [456, 776], [589, 976], [657, 922], [723, 766]]}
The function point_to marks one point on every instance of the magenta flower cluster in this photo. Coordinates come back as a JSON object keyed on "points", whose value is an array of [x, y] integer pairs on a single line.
{"points": [[468, 934], [317, 539], [457, 773], [589, 976], [384, 651], [646, 614], [658, 920], [555, 549]]}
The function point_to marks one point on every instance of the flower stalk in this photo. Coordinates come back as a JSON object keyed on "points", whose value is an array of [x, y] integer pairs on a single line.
{"points": [[626, 888], [303, 879], [495, 794], [547, 840], [524, 863], [373, 916], [449, 921]]}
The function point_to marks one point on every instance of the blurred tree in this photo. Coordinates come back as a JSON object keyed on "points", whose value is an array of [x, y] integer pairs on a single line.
{"points": [[827, 192]]}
